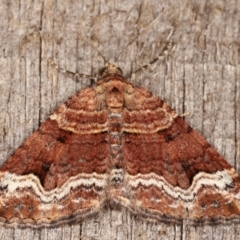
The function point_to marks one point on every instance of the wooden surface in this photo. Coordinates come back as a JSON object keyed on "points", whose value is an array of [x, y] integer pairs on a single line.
{"points": [[200, 77]]}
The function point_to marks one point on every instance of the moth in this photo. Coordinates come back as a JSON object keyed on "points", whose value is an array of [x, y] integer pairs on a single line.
{"points": [[115, 142]]}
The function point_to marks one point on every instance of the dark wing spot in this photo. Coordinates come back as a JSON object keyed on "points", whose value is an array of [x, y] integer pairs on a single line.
{"points": [[61, 139], [169, 137], [189, 129]]}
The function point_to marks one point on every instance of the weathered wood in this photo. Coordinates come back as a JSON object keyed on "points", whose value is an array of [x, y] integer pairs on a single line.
{"points": [[200, 77]]}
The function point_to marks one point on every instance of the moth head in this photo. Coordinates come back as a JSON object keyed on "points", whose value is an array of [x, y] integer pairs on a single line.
{"points": [[110, 69]]}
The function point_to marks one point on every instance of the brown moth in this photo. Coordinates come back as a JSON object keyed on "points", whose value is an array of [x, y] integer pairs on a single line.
{"points": [[115, 142]]}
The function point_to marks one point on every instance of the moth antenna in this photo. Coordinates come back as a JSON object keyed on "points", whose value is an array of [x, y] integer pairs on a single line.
{"points": [[86, 41], [138, 34], [76, 74]]}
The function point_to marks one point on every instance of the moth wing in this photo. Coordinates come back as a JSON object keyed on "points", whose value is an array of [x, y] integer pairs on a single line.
{"points": [[172, 173], [59, 173]]}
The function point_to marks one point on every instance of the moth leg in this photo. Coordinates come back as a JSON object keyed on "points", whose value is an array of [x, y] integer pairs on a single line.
{"points": [[163, 54], [76, 74]]}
